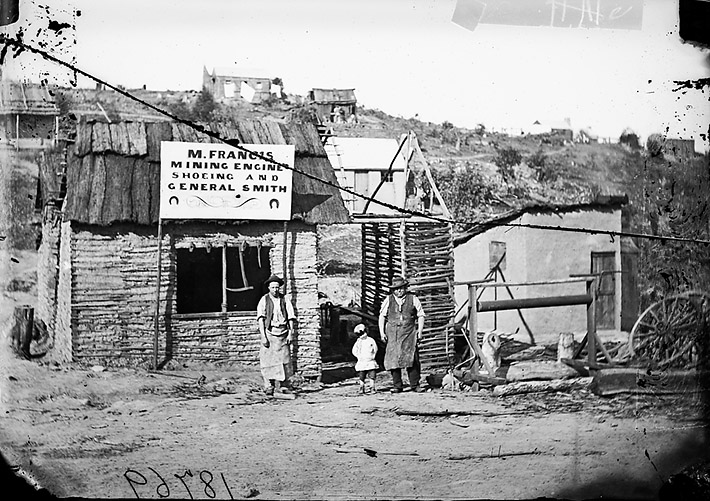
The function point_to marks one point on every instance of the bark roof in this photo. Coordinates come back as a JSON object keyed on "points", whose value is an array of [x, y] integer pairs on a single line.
{"points": [[334, 96], [113, 172], [601, 203]]}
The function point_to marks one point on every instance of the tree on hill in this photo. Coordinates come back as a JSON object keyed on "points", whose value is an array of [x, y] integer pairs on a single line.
{"points": [[181, 110], [464, 190], [630, 138], [654, 145], [506, 159], [204, 107]]}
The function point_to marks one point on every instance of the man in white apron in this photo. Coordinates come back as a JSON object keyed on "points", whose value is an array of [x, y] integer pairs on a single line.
{"points": [[277, 326]]}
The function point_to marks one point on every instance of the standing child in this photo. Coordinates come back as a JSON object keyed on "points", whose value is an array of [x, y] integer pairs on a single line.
{"points": [[365, 350]]}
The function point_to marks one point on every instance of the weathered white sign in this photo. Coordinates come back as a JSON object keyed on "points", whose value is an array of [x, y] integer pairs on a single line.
{"points": [[218, 181]]}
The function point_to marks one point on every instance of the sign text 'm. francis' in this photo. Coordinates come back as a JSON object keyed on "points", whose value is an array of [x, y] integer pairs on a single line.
{"points": [[216, 181]]}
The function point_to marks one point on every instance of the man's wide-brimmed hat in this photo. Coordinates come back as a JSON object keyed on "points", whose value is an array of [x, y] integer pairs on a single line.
{"points": [[273, 278], [398, 283], [359, 328]]}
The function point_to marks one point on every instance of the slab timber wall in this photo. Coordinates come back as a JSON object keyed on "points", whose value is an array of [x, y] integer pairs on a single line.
{"points": [[47, 266], [234, 336], [62, 350], [106, 305]]}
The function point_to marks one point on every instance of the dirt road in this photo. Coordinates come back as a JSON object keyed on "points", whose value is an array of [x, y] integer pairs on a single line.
{"points": [[207, 433]]}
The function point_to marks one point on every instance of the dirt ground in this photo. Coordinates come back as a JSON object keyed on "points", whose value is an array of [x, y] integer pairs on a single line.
{"points": [[82, 431], [201, 432]]}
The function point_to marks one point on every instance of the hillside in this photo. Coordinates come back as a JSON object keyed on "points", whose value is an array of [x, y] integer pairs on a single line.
{"points": [[482, 173], [550, 170]]}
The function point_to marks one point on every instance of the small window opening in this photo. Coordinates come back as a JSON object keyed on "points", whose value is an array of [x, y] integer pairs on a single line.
{"points": [[200, 284]]}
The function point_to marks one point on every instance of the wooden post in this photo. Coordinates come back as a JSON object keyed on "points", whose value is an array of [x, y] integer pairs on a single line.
{"points": [[472, 314], [285, 253], [402, 243], [407, 159], [156, 325], [495, 298], [224, 278], [592, 324]]}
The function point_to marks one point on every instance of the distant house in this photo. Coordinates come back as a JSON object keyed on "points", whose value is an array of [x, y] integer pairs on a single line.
{"points": [[237, 83], [679, 148], [362, 165], [98, 261], [557, 128], [334, 105], [29, 115], [525, 254], [587, 135]]}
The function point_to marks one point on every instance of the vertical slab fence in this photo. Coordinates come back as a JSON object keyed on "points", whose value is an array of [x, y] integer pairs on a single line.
{"points": [[422, 251]]}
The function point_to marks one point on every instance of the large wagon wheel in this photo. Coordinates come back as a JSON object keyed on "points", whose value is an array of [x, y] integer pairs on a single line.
{"points": [[667, 333], [702, 346], [702, 301]]}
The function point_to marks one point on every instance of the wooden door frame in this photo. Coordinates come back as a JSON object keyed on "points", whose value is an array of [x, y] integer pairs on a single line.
{"points": [[612, 293]]}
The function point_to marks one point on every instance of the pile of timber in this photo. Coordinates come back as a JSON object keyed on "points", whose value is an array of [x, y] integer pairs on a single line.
{"points": [[423, 252], [644, 381]]}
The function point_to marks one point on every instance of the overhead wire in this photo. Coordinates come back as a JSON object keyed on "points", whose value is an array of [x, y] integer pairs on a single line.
{"points": [[229, 141], [18, 43]]}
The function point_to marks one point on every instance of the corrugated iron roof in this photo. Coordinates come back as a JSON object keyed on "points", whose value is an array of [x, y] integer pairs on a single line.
{"points": [[26, 99], [358, 153], [114, 169], [340, 96]]}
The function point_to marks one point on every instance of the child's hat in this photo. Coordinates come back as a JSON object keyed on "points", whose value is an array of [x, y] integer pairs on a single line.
{"points": [[359, 329]]}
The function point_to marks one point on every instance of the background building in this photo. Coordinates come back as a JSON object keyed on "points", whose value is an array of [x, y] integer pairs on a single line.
{"points": [[524, 254], [237, 83], [363, 165]]}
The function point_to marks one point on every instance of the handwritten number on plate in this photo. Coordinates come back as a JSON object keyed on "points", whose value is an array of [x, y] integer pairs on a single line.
{"points": [[207, 484], [226, 486], [181, 477], [132, 481], [162, 484]]}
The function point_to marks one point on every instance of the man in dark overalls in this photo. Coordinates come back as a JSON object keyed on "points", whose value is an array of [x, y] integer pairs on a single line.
{"points": [[401, 325]]}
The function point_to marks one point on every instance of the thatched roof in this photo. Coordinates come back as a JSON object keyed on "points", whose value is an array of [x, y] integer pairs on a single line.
{"points": [[113, 172], [603, 203], [333, 96], [26, 99]]}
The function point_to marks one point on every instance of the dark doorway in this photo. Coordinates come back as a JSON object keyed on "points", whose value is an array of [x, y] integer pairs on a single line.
{"points": [[605, 309]]}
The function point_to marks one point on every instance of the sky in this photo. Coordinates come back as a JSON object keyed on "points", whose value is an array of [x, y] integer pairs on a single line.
{"points": [[404, 57]]}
